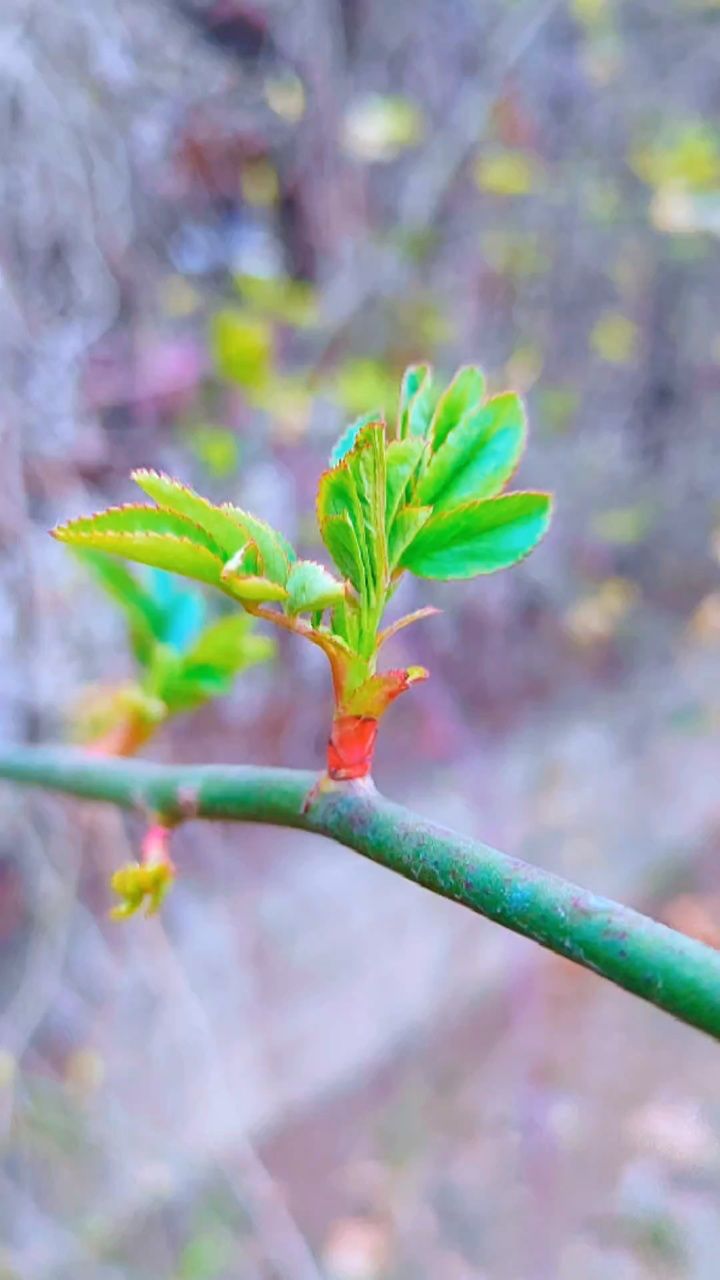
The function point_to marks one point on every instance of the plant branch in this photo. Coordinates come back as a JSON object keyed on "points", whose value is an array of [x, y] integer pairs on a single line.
{"points": [[664, 967]]}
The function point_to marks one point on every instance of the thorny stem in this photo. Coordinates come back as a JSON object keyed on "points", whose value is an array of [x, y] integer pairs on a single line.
{"points": [[658, 964]]}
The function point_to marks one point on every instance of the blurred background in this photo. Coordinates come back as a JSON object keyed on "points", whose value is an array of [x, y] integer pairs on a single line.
{"points": [[225, 228]]}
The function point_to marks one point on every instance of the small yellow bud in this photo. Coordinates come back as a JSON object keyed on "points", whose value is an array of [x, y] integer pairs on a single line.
{"points": [[145, 883]]}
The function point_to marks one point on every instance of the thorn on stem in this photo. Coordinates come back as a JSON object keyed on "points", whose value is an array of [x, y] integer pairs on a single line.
{"points": [[188, 801]]}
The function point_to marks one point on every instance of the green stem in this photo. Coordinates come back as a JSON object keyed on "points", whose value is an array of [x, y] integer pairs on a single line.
{"points": [[658, 964]]}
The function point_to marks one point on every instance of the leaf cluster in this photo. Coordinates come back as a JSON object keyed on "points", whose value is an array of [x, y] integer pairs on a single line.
{"points": [[425, 497], [183, 658], [442, 514]]}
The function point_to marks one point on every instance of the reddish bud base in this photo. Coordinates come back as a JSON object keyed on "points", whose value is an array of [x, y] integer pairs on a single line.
{"points": [[351, 747]]}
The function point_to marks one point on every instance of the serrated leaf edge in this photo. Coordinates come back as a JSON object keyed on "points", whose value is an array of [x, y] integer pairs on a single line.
{"points": [[483, 502], [435, 453], [61, 530], [483, 403]]}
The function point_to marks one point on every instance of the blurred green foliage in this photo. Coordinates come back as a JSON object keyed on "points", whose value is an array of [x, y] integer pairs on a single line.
{"points": [[184, 657]]}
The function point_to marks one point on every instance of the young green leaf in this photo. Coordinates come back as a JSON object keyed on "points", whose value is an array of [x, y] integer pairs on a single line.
{"points": [[355, 490], [311, 587], [413, 378], [347, 440], [426, 502], [228, 525], [209, 667], [90, 531], [250, 587], [144, 616], [422, 407], [276, 554], [171, 495], [230, 645], [337, 516], [121, 584], [190, 687], [192, 554], [478, 456], [407, 523], [339, 536], [479, 537], [345, 621], [465, 392], [367, 470], [403, 463]]}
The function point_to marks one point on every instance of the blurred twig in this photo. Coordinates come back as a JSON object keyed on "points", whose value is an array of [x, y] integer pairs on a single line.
{"points": [[379, 271], [430, 180], [279, 1236], [55, 893]]}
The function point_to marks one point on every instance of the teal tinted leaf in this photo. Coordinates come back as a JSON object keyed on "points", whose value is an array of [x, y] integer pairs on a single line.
{"points": [[413, 378], [350, 435], [422, 408], [403, 462], [479, 537], [478, 456], [310, 586], [408, 522], [183, 612], [466, 391]]}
